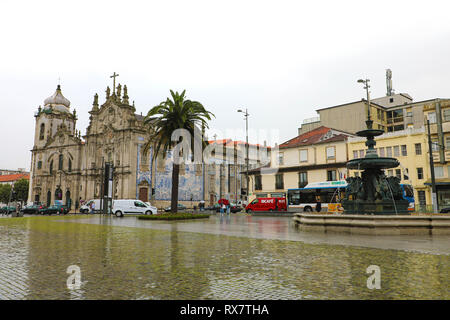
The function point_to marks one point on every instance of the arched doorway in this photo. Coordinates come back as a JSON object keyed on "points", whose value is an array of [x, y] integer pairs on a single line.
{"points": [[49, 198], [58, 194], [36, 198]]}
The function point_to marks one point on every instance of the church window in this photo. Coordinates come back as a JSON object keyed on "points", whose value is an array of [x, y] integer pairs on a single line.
{"points": [[39, 164], [51, 167], [70, 165], [60, 162], [41, 132]]}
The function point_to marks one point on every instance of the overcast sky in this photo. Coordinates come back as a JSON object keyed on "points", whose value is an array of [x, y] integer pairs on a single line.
{"points": [[280, 59]]}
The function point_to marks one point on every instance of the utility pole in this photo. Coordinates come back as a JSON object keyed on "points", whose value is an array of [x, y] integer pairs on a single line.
{"points": [[433, 181], [247, 147]]}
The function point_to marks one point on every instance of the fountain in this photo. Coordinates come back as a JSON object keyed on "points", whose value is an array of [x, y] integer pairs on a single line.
{"points": [[373, 192]]}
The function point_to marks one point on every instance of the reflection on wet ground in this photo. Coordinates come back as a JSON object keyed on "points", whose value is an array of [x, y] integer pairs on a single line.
{"points": [[228, 257], [282, 228]]}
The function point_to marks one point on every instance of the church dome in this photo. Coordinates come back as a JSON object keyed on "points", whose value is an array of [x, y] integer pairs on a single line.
{"points": [[57, 101]]}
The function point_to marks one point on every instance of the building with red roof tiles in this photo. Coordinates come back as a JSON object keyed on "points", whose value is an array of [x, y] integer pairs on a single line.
{"points": [[314, 156], [12, 178]]}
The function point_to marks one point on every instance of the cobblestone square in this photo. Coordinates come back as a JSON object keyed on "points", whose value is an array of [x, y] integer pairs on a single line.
{"points": [[223, 257]]}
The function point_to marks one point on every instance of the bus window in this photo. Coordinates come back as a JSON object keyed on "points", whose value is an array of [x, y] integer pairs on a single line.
{"points": [[308, 197], [294, 197]]}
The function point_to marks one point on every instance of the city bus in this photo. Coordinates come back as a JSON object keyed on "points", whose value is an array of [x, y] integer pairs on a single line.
{"points": [[330, 193]]}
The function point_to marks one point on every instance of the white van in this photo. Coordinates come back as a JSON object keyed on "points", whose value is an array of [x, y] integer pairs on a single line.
{"points": [[131, 206], [86, 207]]}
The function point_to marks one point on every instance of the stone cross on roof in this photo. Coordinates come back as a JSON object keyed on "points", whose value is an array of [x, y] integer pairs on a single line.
{"points": [[114, 82]]}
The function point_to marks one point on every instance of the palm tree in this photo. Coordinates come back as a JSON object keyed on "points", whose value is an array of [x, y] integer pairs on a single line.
{"points": [[163, 119]]}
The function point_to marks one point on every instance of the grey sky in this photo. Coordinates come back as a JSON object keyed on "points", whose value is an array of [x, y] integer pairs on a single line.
{"points": [[280, 59]]}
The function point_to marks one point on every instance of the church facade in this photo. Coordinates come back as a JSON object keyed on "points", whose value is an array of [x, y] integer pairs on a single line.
{"points": [[67, 167]]}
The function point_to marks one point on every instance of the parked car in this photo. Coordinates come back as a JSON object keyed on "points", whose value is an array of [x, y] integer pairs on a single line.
{"points": [[7, 210], [131, 206], [180, 207], [214, 207], [233, 208], [445, 210], [236, 208], [56, 209], [32, 209]]}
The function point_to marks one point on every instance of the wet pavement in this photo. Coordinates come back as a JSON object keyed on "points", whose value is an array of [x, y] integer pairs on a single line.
{"points": [[223, 257]]}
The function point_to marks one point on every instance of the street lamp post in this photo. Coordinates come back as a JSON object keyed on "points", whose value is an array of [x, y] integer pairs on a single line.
{"points": [[366, 86], [246, 133]]}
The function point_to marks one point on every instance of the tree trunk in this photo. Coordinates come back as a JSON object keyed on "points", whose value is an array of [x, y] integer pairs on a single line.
{"points": [[175, 176]]}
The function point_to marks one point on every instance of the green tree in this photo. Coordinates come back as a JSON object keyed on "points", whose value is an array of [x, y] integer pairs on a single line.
{"points": [[21, 189], [5, 191], [165, 118]]}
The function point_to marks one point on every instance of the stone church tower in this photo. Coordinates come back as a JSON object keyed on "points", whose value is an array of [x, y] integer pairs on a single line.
{"points": [[56, 153]]}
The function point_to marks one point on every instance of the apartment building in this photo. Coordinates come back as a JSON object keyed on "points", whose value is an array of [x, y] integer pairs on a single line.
{"points": [[317, 155]]}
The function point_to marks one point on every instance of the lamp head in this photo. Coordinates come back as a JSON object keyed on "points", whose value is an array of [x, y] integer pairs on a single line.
{"points": [[239, 110], [360, 81]]}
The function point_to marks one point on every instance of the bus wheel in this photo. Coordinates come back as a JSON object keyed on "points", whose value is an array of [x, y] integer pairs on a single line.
{"points": [[307, 209]]}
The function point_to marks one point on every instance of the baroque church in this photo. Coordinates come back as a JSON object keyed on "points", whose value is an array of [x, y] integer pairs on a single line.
{"points": [[67, 166]]}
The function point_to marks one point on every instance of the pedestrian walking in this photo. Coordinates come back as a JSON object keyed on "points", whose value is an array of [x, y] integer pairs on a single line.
{"points": [[318, 204], [228, 209], [92, 207]]}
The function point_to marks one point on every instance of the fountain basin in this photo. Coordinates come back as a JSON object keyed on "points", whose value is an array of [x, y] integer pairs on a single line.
{"points": [[370, 133], [373, 163], [373, 224]]}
